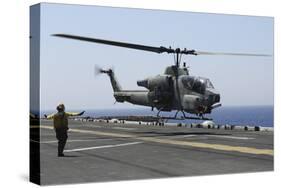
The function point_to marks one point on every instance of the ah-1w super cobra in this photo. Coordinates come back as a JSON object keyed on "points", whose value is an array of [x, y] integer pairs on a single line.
{"points": [[173, 90]]}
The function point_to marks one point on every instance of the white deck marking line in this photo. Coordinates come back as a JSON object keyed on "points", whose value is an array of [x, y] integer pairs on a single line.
{"points": [[221, 147], [191, 135], [124, 128], [231, 137], [218, 136], [101, 147]]}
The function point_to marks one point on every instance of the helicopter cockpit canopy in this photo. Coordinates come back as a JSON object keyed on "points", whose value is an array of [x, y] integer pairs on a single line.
{"points": [[209, 84], [196, 84]]}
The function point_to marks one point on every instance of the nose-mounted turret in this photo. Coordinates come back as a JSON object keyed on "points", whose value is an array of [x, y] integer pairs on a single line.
{"points": [[212, 100]]}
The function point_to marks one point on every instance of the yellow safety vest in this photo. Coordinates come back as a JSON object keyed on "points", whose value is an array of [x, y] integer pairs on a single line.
{"points": [[60, 120]]}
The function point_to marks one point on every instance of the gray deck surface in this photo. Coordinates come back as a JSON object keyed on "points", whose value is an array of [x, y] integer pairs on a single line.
{"points": [[97, 152]]}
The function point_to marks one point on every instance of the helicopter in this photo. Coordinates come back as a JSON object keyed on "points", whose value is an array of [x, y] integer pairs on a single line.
{"points": [[174, 90]]}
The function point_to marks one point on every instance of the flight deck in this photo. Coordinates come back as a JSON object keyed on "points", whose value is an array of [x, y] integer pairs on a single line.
{"points": [[101, 151]]}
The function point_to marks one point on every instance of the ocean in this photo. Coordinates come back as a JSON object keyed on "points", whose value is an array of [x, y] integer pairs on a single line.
{"points": [[232, 115]]}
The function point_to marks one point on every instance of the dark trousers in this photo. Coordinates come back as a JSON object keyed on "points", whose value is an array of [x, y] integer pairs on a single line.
{"points": [[61, 134]]}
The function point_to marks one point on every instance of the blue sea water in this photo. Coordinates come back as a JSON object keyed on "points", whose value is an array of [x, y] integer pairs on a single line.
{"points": [[243, 115]]}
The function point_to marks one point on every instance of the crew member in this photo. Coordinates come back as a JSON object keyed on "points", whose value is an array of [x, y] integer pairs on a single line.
{"points": [[61, 126]]}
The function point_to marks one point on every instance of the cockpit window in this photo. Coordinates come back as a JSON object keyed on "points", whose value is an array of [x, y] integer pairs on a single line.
{"points": [[188, 82], [195, 84], [209, 84]]}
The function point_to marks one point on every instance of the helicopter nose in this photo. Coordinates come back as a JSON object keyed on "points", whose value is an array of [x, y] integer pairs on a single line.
{"points": [[214, 97], [217, 98]]}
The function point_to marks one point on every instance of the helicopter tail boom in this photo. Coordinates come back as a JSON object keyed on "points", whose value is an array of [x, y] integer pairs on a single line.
{"points": [[139, 97]]}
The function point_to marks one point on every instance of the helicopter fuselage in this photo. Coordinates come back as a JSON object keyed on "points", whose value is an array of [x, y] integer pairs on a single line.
{"points": [[173, 90], [167, 92]]}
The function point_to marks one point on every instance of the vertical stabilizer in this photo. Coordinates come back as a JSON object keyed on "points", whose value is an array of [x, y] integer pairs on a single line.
{"points": [[115, 85]]}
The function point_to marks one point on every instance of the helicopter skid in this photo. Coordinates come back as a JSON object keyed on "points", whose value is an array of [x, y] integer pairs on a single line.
{"points": [[183, 118]]}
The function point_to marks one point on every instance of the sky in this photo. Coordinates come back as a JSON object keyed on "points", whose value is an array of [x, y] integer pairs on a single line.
{"points": [[67, 66]]}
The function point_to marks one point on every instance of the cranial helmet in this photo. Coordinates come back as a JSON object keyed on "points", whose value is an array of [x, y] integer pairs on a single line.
{"points": [[61, 107]]}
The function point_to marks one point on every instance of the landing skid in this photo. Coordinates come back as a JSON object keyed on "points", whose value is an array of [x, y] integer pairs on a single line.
{"points": [[183, 118]]}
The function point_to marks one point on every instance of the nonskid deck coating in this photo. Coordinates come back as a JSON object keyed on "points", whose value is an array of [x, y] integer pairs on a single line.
{"points": [[110, 152]]}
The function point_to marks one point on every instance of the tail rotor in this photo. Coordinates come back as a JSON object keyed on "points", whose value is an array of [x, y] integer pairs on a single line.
{"points": [[115, 85], [99, 70]]}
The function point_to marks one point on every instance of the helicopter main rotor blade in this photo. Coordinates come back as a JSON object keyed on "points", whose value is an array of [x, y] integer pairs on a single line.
{"points": [[233, 54], [160, 49]]}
